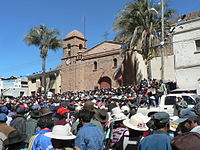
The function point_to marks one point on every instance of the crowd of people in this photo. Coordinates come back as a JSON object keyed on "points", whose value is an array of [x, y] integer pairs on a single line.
{"points": [[96, 120]]}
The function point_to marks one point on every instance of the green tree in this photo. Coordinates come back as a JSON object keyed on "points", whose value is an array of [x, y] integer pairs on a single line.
{"points": [[46, 39], [139, 25]]}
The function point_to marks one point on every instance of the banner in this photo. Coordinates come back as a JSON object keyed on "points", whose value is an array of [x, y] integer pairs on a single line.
{"points": [[118, 74]]}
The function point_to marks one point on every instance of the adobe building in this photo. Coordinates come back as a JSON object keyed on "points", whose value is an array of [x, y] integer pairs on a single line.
{"points": [[84, 69], [53, 82]]}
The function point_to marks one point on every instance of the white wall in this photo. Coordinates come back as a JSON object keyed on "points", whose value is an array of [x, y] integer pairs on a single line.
{"points": [[187, 60], [169, 73]]}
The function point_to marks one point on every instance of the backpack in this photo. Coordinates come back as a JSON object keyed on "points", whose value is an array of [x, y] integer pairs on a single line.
{"points": [[186, 141]]}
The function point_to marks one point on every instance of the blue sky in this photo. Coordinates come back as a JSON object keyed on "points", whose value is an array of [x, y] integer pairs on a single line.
{"points": [[19, 16]]}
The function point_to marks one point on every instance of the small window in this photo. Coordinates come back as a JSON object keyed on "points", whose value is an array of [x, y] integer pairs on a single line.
{"points": [[80, 46], [69, 46], [95, 65], [33, 80], [115, 62], [69, 53], [21, 93], [197, 42], [33, 93], [170, 100]]}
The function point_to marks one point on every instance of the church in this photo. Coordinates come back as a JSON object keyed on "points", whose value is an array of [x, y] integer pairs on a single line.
{"points": [[88, 69]]}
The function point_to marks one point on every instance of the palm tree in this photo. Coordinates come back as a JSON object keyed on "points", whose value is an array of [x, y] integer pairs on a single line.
{"points": [[45, 39], [139, 24]]}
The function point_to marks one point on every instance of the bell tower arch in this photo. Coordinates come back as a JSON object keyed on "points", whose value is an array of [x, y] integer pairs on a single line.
{"points": [[73, 46]]}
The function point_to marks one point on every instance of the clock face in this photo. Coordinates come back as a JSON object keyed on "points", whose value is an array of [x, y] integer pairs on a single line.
{"points": [[68, 62]]}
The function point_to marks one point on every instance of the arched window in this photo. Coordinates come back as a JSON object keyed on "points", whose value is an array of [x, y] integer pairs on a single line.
{"points": [[69, 46], [69, 53], [80, 46], [69, 50], [115, 62], [95, 65]]}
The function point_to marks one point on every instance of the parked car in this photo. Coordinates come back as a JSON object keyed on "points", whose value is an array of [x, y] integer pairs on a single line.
{"points": [[167, 102]]}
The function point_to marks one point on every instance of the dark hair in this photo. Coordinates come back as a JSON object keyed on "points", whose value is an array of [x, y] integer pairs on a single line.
{"points": [[135, 133], [85, 115], [117, 124], [159, 125], [57, 143], [45, 122], [16, 146]]}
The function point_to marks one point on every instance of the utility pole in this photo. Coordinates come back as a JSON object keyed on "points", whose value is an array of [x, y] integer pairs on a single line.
{"points": [[162, 41]]}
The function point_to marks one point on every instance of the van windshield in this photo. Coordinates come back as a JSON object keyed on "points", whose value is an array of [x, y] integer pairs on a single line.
{"points": [[196, 98]]}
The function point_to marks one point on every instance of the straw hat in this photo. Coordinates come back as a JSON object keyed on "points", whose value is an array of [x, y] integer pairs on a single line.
{"points": [[46, 111], [117, 114], [137, 122], [61, 132]]}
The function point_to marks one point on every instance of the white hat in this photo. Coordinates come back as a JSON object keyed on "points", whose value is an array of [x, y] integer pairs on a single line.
{"points": [[125, 108], [116, 110], [119, 117], [137, 122], [78, 108], [94, 101], [117, 114], [61, 132]]}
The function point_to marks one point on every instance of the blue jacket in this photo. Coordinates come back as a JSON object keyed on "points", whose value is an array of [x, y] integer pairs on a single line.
{"points": [[160, 140], [90, 137], [42, 142]]}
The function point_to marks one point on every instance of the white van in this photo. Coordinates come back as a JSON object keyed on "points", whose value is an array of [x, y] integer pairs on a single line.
{"points": [[167, 103]]}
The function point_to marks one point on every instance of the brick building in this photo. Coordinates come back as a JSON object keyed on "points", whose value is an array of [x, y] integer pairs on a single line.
{"points": [[84, 69]]}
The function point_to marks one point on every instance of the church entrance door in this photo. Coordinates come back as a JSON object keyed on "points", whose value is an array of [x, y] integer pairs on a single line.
{"points": [[104, 82]]}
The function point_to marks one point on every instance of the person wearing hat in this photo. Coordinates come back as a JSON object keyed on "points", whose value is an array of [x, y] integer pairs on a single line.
{"points": [[187, 122], [4, 128], [62, 115], [19, 121], [89, 136], [46, 112], [15, 141], [160, 139], [61, 137], [77, 124], [102, 116], [4, 109], [136, 126], [31, 124], [126, 110], [180, 104], [118, 128]]}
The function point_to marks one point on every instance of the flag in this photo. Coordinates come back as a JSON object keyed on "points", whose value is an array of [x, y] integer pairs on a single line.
{"points": [[118, 74], [177, 24]]}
